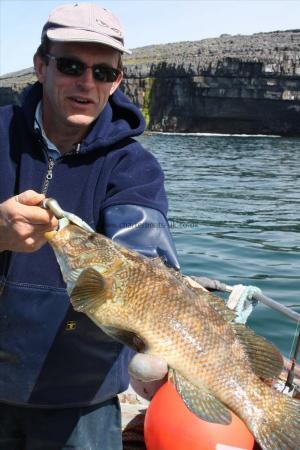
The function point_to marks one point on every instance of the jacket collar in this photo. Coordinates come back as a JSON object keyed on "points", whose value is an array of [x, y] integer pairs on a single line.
{"points": [[120, 119]]}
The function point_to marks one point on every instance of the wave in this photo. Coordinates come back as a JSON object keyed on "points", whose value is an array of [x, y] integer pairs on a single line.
{"points": [[215, 134]]}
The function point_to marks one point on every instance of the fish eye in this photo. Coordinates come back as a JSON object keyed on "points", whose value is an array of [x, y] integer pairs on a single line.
{"points": [[92, 237]]}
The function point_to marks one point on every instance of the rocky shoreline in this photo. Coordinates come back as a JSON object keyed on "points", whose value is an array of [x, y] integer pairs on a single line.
{"points": [[231, 84]]}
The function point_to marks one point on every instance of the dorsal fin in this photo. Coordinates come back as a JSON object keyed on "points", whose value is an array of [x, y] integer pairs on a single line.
{"points": [[215, 302], [265, 359], [220, 306], [158, 262]]}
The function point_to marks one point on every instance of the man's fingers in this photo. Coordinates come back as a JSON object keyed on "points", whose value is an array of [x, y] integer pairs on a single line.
{"points": [[32, 244], [35, 214], [43, 217], [23, 222], [29, 198], [146, 390], [147, 367], [30, 230], [148, 373]]}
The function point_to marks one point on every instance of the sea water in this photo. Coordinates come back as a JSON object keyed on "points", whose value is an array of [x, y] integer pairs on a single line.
{"points": [[234, 212]]}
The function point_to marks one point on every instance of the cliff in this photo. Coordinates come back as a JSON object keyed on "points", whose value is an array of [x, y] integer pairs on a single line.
{"points": [[230, 84]]}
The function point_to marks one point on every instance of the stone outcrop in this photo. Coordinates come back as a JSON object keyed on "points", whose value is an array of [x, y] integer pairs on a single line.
{"points": [[230, 84], [13, 86]]}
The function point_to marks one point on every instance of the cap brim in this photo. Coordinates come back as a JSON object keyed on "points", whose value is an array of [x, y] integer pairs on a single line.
{"points": [[71, 35]]}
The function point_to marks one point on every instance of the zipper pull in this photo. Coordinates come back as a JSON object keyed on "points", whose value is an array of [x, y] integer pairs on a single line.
{"points": [[51, 164], [49, 175]]}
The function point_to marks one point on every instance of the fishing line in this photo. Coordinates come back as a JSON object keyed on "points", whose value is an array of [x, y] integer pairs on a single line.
{"points": [[294, 339], [293, 358], [294, 306]]}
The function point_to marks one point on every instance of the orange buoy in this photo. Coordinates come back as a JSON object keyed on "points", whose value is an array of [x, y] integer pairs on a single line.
{"points": [[169, 425]]}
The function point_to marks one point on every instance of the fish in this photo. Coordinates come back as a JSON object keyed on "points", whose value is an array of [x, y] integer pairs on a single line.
{"points": [[217, 365]]}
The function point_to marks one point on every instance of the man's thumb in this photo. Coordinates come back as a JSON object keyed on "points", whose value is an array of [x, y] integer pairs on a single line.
{"points": [[29, 198], [147, 368]]}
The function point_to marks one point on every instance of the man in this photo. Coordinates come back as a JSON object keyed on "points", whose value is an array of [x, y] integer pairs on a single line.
{"points": [[73, 140]]}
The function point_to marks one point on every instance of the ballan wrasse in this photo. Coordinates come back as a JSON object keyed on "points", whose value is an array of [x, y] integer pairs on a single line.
{"points": [[215, 363]]}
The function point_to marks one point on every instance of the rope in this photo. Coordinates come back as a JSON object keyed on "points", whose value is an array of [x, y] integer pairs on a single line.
{"points": [[242, 300], [216, 285]]}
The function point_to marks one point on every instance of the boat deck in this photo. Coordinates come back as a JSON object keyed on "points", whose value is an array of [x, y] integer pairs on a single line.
{"points": [[133, 409]]}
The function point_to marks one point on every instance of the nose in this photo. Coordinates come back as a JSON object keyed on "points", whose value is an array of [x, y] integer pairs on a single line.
{"points": [[86, 81]]}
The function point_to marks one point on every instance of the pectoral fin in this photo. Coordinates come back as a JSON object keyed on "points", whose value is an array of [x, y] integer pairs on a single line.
{"points": [[90, 291], [126, 337], [201, 402]]}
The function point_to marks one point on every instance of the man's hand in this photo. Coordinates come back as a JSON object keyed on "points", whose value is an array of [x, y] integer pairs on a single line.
{"points": [[23, 222], [147, 373]]}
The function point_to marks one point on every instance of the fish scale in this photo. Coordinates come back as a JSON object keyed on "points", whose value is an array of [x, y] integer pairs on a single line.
{"points": [[214, 363]]}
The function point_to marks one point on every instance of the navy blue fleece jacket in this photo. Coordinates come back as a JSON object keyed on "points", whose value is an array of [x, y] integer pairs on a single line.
{"points": [[63, 358]]}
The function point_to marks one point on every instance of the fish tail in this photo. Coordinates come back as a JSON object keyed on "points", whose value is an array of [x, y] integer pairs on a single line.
{"points": [[279, 427]]}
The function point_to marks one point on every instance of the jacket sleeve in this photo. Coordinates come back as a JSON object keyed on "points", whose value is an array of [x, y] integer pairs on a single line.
{"points": [[142, 229], [136, 179], [134, 212]]}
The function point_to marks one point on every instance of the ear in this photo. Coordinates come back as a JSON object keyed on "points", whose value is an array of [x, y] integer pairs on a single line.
{"points": [[39, 67], [116, 84]]}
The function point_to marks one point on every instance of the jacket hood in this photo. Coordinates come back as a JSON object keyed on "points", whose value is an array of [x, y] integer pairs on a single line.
{"points": [[120, 119]]}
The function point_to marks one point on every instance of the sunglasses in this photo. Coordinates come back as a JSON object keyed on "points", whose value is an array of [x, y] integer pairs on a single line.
{"points": [[75, 68]]}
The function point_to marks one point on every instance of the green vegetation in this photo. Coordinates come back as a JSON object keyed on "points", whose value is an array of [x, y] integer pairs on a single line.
{"points": [[146, 109]]}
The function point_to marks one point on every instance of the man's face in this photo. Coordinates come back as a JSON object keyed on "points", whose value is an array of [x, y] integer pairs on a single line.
{"points": [[75, 102]]}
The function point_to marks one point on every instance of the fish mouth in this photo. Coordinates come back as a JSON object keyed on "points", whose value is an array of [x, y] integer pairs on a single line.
{"points": [[62, 223], [49, 235]]}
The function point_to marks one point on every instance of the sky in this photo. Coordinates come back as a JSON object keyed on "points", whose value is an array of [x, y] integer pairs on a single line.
{"points": [[146, 22]]}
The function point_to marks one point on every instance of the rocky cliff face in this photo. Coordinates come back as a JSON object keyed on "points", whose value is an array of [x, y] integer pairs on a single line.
{"points": [[230, 84], [13, 86]]}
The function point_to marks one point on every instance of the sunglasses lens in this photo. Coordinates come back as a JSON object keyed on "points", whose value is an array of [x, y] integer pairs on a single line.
{"points": [[75, 68], [105, 74], [69, 66]]}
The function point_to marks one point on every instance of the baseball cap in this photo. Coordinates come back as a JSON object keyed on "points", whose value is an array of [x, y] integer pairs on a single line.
{"points": [[85, 22]]}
